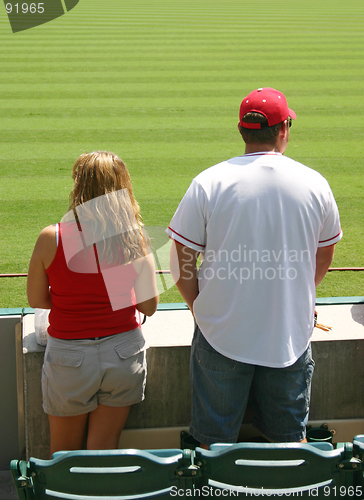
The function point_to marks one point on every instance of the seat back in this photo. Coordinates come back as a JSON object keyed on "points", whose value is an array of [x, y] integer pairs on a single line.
{"points": [[116, 474], [251, 469], [248, 469], [358, 452], [358, 446]]}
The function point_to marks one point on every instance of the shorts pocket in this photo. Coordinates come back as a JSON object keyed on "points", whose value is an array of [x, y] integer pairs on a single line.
{"points": [[130, 348], [64, 357]]}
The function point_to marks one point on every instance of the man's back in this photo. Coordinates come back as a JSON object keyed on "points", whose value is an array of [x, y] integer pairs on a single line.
{"points": [[264, 216]]}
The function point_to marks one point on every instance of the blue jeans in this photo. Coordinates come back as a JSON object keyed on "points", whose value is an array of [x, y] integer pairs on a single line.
{"points": [[220, 390]]}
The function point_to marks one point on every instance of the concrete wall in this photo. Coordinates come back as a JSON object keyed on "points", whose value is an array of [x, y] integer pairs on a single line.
{"points": [[11, 440], [337, 391]]}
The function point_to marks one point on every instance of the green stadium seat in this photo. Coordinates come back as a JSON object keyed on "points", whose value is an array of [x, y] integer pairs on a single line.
{"points": [[116, 474], [358, 446], [249, 469], [358, 452], [283, 469]]}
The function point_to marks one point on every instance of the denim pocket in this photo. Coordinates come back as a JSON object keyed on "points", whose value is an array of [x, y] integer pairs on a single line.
{"points": [[211, 359]]}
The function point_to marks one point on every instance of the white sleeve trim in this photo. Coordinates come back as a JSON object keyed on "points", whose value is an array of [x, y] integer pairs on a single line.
{"points": [[184, 241], [331, 241]]}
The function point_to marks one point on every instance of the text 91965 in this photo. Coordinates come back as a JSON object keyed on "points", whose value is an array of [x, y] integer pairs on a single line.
{"points": [[25, 8]]}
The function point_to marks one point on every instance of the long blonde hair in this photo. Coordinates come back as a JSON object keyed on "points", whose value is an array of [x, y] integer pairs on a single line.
{"points": [[118, 214]]}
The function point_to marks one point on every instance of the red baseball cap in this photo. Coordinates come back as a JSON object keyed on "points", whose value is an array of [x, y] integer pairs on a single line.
{"points": [[269, 102]]}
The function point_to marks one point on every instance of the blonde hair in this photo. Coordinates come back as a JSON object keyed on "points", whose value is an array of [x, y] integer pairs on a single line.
{"points": [[103, 173]]}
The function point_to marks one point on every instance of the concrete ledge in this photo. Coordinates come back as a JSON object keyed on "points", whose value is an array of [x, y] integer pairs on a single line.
{"points": [[337, 387], [337, 393]]}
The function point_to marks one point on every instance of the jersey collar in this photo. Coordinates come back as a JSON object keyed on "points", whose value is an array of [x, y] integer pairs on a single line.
{"points": [[262, 153]]}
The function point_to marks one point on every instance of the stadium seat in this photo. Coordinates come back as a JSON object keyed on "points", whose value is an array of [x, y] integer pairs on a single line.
{"points": [[116, 474], [358, 452], [358, 446], [294, 469], [249, 469]]}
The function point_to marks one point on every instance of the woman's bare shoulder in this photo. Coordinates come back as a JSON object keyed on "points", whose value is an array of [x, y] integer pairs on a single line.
{"points": [[48, 231], [47, 236]]}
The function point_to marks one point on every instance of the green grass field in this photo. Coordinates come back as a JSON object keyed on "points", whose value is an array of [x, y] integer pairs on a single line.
{"points": [[160, 84]]}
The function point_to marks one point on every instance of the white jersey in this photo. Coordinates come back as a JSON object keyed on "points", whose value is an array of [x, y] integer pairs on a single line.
{"points": [[257, 220]]}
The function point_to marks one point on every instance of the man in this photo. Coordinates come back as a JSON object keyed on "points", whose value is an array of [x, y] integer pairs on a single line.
{"points": [[265, 227]]}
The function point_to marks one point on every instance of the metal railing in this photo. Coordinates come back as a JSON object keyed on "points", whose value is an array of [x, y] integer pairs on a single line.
{"points": [[165, 271]]}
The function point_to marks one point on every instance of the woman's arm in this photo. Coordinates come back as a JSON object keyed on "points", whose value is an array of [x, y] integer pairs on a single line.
{"points": [[145, 286], [37, 284]]}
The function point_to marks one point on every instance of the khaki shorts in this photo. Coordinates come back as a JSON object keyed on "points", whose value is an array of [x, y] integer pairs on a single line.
{"points": [[78, 375]]}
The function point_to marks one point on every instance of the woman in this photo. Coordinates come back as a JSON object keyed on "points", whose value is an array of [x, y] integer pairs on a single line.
{"points": [[94, 272]]}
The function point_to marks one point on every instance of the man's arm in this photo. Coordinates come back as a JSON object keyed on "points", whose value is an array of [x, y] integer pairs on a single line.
{"points": [[324, 257], [183, 268]]}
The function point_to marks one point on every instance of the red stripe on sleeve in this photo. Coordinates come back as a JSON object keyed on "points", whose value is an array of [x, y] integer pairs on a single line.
{"points": [[190, 241]]}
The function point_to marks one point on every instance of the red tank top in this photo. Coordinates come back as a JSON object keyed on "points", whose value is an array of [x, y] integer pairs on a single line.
{"points": [[81, 291]]}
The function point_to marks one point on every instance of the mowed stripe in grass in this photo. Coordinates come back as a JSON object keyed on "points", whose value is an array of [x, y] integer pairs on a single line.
{"points": [[160, 83]]}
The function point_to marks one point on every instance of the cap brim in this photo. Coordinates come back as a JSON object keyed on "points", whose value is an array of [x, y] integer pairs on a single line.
{"points": [[292, 114]]}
